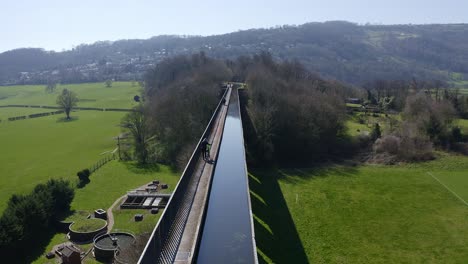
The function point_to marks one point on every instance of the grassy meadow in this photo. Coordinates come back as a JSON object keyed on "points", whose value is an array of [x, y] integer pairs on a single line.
{"points": [[374, 214], [120, 95], [334, 213], [35, 150], [6, 112]]}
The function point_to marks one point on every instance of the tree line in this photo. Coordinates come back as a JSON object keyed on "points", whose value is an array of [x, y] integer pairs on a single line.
{"points": [[28, 218], [291, 113], [179, 97], [295, 114]]}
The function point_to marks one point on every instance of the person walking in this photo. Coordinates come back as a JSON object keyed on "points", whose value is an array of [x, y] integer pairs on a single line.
{"points": [[205, 149]]}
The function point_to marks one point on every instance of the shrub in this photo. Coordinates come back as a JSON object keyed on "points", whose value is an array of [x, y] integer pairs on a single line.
{"points": [[83, 177], [376, 132], [408, 145], [388, 144], [457, 135]]}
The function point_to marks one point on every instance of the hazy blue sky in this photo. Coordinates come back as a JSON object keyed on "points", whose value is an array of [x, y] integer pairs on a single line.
{"points": [[60, 24]]}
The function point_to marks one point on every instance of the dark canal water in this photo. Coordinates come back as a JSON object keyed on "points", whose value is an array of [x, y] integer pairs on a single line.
{"points": [[227, 231]]}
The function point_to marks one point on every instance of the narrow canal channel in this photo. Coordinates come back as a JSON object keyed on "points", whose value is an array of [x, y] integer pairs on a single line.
{"points": [[227, 230]]}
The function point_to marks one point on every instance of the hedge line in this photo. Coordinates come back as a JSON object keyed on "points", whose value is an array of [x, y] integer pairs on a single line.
{"points": [[34, 115], [77, 108]]}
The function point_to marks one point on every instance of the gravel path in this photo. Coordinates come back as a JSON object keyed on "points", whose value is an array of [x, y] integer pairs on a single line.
{"points": [[110, 215]]}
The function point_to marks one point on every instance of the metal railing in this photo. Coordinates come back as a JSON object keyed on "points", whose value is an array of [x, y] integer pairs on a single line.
{"points": [[168, 223]]}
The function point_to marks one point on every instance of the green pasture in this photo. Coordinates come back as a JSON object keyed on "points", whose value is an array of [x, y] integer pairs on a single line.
{"points": [[373, 214], [368, 121], [6, 112], [120, 95], [355, 128], [34, 150], [410, 213]]}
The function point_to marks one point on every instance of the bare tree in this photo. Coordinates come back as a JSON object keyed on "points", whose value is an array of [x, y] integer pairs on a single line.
{"points": [[137, 125], [67, 100], [51, 86]]}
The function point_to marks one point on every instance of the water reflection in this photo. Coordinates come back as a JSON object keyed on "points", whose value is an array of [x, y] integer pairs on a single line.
{"points": [[227, 230]]}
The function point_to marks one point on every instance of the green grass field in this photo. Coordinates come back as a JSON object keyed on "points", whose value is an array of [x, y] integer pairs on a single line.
{"points": [[6, 112], [34, 150], [355, 128], [120, 95], [374, 214]]}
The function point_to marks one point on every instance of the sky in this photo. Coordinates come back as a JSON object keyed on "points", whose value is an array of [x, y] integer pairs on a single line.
{"points": [[62, 24]]}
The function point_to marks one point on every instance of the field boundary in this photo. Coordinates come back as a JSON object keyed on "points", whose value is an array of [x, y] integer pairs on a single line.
{"points": [[450, 190], [74, 108]]}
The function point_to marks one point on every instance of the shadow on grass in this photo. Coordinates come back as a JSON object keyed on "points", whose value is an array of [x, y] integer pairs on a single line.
{"points": [[63, 216], [276, 235], [82, 184], [30, 250], [65, 120], [343, 170], [142, 168]]}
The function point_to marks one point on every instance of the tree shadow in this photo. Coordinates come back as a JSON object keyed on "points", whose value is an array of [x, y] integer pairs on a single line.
{"points": [[65, 120], [276, 235], [142, 168], [66, 214], [29, 250], [318, 171]]}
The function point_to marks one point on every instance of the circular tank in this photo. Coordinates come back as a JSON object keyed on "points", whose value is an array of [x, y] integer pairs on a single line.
{"points": [[105, 246], [84, 230]]}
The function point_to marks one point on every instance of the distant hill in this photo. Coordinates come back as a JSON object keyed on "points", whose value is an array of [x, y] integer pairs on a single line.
{"points": [[339, 50]]}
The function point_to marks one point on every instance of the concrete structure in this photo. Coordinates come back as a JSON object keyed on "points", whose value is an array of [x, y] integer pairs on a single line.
{"points": [[177, 236], [71, 255], [101, 214], [107, 245], [147, 197]]}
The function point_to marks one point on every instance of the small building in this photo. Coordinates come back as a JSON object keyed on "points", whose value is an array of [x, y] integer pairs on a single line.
{"points": [[138, 217], [350, 100], [100, 213], [71, 255]]}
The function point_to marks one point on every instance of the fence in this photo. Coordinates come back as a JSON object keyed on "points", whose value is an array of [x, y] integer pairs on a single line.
{"points": [[102, 162], [153, 250]]}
